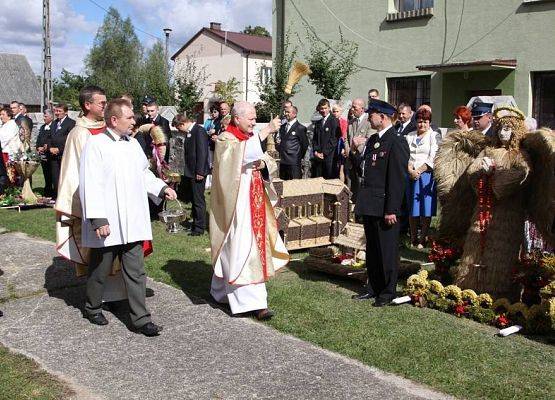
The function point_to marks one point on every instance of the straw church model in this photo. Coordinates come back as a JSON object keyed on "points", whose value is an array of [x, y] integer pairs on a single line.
{"points": [[311, 212]]}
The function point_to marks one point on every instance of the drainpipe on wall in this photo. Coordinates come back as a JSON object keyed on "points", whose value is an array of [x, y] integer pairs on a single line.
{"points": [[247, 80]]}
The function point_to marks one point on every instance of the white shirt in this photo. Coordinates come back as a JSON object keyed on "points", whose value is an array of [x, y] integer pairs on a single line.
{"points": [[59, 123], [9, 137], [114, 180], [485, 130], [380, 133], [422, 151], [289, 124]]}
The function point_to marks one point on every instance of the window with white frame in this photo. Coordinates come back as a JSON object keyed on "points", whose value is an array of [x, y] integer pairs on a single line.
{"points": [[410, 5], [265, 74]]}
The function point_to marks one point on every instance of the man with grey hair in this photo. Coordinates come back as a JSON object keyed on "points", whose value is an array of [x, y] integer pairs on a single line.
{"points": [[358, 131], [245, 243], [42, 145]]}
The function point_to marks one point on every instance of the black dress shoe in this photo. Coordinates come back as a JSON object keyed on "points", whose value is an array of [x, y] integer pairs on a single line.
{"points": [[381, 303], [264, 315], [150, 329], [97, 319], [364, 296], [1, 314], [195, 233]]}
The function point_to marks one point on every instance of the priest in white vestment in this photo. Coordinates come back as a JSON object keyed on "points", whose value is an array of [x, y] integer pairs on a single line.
{"points": [[114, 180], [246, 246]]}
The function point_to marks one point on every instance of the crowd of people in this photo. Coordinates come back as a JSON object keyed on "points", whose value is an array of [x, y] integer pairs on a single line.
{"points": [[385, 154]]}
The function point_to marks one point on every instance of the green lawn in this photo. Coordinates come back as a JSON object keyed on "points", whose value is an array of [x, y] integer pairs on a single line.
{"points": [[453, 355], [22, 379]]}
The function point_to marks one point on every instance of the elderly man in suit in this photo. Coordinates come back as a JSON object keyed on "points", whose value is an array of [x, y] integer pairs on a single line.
{"points": [[406, 123], [358, 132], [42, 145], [324, 143], [383, 170], [60, 128], [292, 147]]}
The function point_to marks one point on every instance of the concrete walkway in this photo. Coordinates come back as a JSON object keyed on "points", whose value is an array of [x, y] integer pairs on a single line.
{"points": [[202, 352]]}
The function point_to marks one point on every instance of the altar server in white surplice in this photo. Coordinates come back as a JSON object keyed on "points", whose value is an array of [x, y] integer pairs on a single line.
{"points": [[114, 181]]}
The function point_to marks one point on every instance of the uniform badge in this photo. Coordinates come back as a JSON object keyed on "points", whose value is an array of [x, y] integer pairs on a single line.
{"points": [[293, 133], [376, 145], [188, 135]]}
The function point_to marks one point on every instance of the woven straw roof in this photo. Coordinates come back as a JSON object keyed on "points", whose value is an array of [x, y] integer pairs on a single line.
{"points": [[18, 81], [299, 187], [352, 237]]}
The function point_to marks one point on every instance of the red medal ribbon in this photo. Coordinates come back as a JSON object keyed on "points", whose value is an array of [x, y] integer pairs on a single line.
{"points": [[258, 217]]}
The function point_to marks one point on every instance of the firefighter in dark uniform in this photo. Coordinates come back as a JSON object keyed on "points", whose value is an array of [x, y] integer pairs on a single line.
{"points": [[383, 167]]}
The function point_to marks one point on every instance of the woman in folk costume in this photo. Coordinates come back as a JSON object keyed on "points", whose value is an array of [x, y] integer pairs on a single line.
{"points": [[507, 177], [68, 204], [245, 242]]}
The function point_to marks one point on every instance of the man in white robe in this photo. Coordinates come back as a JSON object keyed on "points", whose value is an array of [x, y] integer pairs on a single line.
{"points": [[114, 181], [92, 100], [246, 246]]}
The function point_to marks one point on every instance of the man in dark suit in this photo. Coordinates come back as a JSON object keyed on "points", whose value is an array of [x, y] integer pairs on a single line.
{"points": [[406, 123], [324, 143], [58, 134], [196, 167], [144, 118], [293, 143], [482, 117], [42, 145], [383, 165], [158, 120]]}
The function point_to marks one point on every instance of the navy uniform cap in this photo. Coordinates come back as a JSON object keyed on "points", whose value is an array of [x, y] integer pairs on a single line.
{"points": [[479, 108], [381, 107], [147, 100]]}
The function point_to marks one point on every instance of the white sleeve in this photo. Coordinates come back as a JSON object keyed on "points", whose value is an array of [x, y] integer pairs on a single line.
{"points": [[433, 150], [91, 182]]}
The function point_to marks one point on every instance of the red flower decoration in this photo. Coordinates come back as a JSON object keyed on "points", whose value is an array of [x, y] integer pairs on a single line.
{"points": [[501, 321]]}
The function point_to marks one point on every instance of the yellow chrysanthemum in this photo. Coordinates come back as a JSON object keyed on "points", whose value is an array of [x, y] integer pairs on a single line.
{"points": [[485, 300], [501, 305], [470, 296], [423, 273], [436, 287], [453, 292], [417, 281]]}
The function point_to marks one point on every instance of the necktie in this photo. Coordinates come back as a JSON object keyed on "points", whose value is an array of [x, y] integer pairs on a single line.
{"points": [[124, 138]]}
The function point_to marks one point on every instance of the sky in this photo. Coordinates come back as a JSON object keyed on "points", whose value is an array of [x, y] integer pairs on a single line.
{"points": [[73, 24]]}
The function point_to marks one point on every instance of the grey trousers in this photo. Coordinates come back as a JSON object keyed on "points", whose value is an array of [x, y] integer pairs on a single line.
{"points": [[134, 277]]}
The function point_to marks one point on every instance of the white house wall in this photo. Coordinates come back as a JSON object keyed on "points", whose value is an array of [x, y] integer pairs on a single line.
{"points": [[223, 62]]}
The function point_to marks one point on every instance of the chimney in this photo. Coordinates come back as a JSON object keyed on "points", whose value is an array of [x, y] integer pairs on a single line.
{"points": [[217, 26]]}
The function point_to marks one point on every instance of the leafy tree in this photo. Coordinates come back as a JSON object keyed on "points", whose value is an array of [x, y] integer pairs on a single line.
{"points": [[189, 84], [272, 92], [115, 60], [227, 91], [156, 75], [66, 88], [331, 65], [256, 30]]}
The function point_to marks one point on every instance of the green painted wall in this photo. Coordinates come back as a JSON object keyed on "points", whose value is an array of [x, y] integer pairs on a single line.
{"points": [[458, 31], [457, 86]]}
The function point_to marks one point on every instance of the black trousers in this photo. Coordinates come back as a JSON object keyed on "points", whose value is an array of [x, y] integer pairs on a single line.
{"points": [[134, 277], [47, 172], [191, 190], [287, 172], [55, 166], [328, 167], [382, 257]]}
